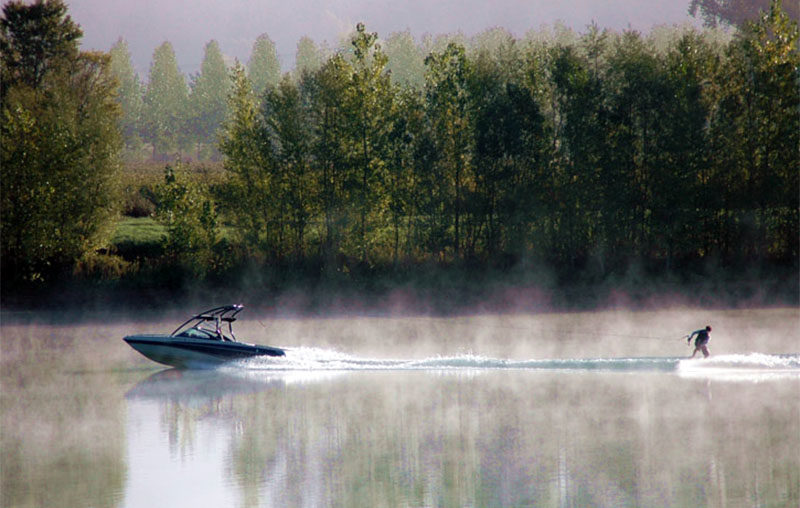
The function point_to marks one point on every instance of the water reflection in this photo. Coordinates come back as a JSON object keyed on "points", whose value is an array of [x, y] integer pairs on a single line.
{"points": [[199, 386], [495, 439], [62, 439], [86, 421]]}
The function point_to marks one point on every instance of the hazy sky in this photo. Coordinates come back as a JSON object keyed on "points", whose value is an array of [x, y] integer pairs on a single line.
{"points": [[235, 24]]}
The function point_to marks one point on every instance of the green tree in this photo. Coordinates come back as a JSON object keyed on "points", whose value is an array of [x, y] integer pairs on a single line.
{"points": [[60, 140], [326, 90], [685, 200], [406, 63], [592, 151], [510, 147], [290, 136], [208, 99], [448, 103], [189, 214], [263, 68], [129, 95], [737, 12], [248, 193], [369, 105], [36, 38], [756, 131], [406, 120], [574, 204], [637, 95], [165, 108], [308, 57]]}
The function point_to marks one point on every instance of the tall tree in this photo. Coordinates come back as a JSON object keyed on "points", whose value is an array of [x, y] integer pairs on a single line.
{"points": [[638, 91], [35, 38], [248, 189], [509, 145], [448, 105], [590, 151], [326, 90], [60, 142], [737, 12], [308, 57], [165, 106], [130, 93], [369, 106], [756, 130], [208, 99], [290, 136], [406, 120], [187, 211], [263, 68], [406, 63], [686, 199], [580, 133]]}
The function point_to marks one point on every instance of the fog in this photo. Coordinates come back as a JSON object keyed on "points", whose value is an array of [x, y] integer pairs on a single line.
{"points": [[235, 24], [503, 336], [619, 333], [86, 421]]}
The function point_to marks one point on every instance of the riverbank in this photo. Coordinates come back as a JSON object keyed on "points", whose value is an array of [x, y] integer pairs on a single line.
{"points": [[452, 291]]}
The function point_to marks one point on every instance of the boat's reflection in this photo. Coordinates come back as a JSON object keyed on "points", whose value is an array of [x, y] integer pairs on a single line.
{"points": [[180, 385]]}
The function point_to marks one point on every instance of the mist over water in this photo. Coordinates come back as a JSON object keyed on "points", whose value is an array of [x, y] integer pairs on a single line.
{"points": [[312, 359], [523, 336], [550, 409]]}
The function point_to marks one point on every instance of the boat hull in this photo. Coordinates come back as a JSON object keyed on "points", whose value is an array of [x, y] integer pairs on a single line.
{"points": [[195, 353]]}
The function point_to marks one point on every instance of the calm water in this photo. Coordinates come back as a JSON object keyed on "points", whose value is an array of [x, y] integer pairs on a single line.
{"points": [[594, 409]]}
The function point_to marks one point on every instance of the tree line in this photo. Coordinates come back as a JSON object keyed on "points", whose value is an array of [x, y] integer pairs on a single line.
{"points": [[170, 114], [586, 153]]}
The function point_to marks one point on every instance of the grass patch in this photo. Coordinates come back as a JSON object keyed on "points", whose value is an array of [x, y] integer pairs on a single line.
{"points": [[138, 230], [138, 237], [138, 182]]}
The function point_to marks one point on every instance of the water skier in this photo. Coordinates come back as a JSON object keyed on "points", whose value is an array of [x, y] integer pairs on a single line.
{"points": [[701, 340]]}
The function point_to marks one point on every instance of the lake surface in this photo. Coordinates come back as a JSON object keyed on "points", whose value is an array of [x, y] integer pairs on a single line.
{"points": [[573, 409]]}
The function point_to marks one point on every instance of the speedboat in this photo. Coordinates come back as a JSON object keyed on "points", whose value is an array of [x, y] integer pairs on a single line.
{"points": [[200, 341]]}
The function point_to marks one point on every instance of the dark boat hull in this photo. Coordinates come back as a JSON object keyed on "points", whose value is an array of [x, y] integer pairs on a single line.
{"points": [[195, 353]]}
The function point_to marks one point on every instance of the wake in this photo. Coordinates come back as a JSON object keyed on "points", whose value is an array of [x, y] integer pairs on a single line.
{"points": [[316, 359]]}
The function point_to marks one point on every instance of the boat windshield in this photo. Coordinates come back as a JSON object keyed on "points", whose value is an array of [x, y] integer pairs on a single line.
{"points": [[199, 333], [209, 324]]}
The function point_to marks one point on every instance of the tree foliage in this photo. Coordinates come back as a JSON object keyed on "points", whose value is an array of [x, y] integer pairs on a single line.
{"points": [[737, 12], [129, 94], [590, 153], [189, 214], [263, 69], [60, 139], [448, 108], [288, 136], [405, 60], [207, 101], [241, 141], [308, 57], [756, 128], [166, 101], [35, 39]]}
